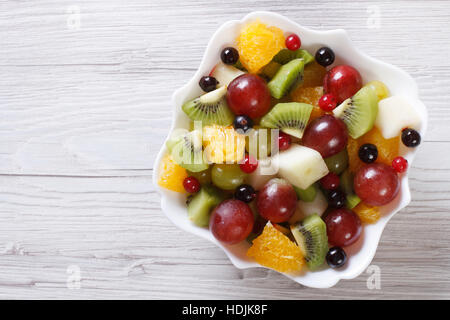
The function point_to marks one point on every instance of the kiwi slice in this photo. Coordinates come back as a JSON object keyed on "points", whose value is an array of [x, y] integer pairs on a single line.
{"points": [[352, 200], [359, 112], [271, 69], [200, 206], [346, 183], [186, 150], [311, 236], [308, 194], [210, 108], [286, 55], [290, 117], [286, 78]]}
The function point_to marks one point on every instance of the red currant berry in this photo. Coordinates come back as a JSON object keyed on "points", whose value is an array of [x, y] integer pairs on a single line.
{"points": [[191, 185], [400, 164], [249, 164], [330, 181], [293, 42], [284, 141], [327, 102]]}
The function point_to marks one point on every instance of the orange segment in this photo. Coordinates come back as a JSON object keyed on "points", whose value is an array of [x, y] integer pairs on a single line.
{"points": [[258, 44], [274, 250], [387, 148], [309, 95], [171, 175], [367, 213]]}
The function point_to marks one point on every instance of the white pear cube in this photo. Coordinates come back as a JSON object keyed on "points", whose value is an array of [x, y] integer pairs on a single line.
{"points": [[301, 166], [394, 114]]}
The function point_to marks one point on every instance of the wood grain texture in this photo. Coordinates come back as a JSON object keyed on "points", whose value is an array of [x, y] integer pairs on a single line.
{"points": [[85, 108]]}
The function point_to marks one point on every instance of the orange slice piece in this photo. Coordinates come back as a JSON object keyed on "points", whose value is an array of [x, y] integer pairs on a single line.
{"points": [[367, 213], [171, 175], [258, 44], [387, 148], [274, 250]]}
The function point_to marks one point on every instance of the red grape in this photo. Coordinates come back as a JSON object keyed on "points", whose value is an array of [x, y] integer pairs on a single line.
{"points": [[376, 184], [326, 134], [248, 95], [276, 201], [343, 227], [342, 81], [231, 221]]}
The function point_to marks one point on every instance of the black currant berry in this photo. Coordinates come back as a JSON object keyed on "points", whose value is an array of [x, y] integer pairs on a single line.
{"points": [[245, 193], [336, 199], [208, 83], [368, 153], [336, 257], [324, 56], [243, 123], [410, 138], [229, 55]]}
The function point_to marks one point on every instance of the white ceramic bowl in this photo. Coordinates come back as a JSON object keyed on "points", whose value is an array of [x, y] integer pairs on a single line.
{"points": [[361, 253]]}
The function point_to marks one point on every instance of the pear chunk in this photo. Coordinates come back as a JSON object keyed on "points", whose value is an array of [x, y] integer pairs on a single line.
{"points": [[394, 114], [301, 166]]}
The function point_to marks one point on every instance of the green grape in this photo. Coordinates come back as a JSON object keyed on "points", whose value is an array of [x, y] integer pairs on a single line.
{"points": [[256, 148], [380, 89], [338, 163], [204, 177], [227, 176]]}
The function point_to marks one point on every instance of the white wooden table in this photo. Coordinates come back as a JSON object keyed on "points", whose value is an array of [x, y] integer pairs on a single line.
{"points": [[84, 108]]}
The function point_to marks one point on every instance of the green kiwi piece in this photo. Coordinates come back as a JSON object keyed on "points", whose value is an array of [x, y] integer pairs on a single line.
{"points": [[210, 108], [271, 69], [337, 163], [308, 194], [200, 206], [286, 77], [311, 236], [290, 117], [186, 150], [346, 183], [286, 55], [352, 200], [359, 112]]}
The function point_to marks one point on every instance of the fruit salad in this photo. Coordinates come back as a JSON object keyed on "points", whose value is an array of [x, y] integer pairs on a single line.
{"points": [[289, 151]]}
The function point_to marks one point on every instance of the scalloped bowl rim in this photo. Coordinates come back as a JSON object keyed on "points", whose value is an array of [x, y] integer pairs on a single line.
{"points": [[398, 81]]}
